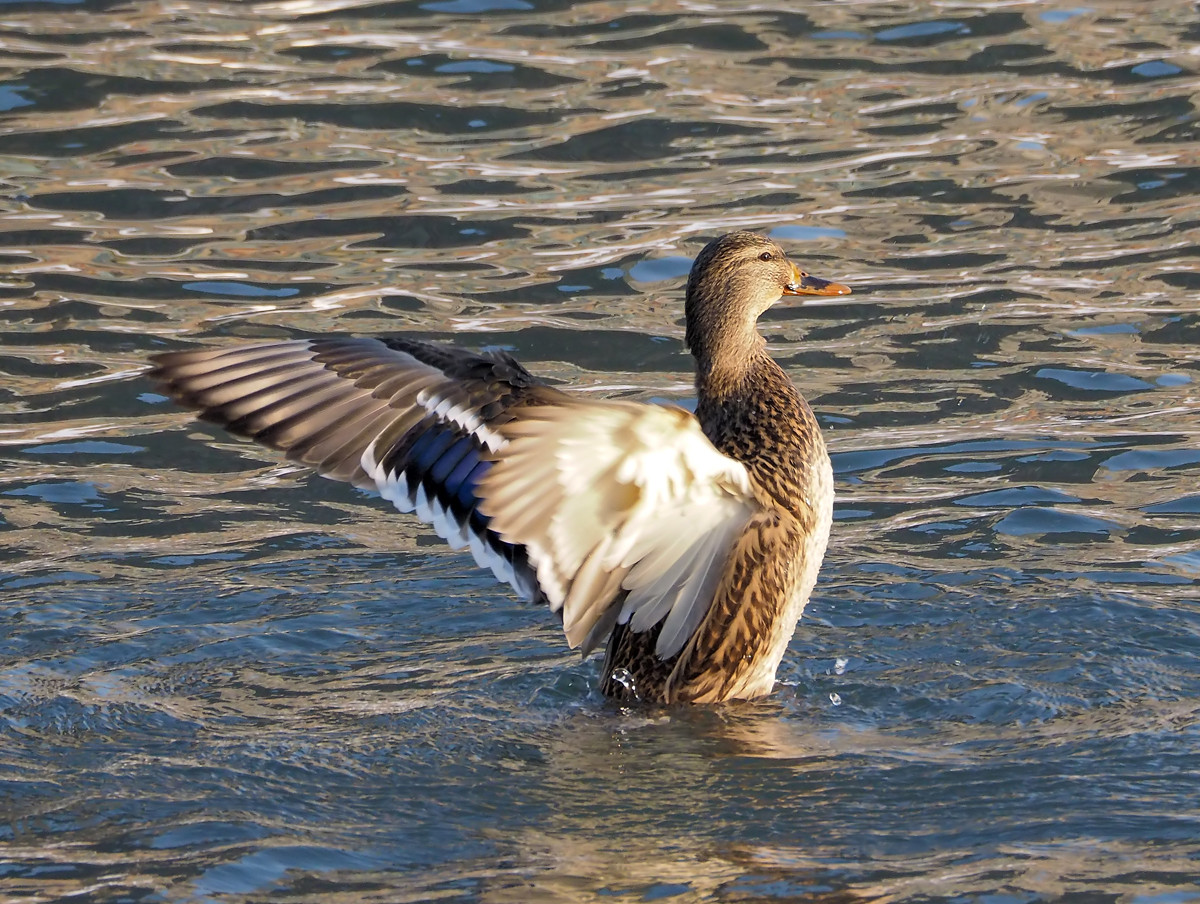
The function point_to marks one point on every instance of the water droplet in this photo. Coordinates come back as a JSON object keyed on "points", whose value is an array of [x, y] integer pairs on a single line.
{"points": [[839, 666], [835, 699], [624, 678]]}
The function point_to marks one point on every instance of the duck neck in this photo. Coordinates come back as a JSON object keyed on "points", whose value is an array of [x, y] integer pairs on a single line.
{"points": [[723, 372]]}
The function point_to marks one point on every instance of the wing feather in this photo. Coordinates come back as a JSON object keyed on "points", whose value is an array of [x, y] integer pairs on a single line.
{"points": [[628, 512], [398, 416]]}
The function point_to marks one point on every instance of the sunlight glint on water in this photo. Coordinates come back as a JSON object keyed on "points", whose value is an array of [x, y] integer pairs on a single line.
{"points": [[224, 679]]}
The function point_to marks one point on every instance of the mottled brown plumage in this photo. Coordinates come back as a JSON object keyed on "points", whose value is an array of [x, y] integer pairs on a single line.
{"points": [[691, 544], [751, 411]]}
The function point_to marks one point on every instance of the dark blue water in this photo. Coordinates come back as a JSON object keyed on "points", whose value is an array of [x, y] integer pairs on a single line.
{"points": [[224, 679]]}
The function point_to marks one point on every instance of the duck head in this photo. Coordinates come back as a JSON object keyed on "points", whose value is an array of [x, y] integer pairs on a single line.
{"points": [[733, 280]]}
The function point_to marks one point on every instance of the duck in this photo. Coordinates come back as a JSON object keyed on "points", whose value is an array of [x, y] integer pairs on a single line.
{"points": [[688, 543]]}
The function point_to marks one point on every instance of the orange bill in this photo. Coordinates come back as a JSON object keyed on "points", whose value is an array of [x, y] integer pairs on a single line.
{"points": [[804, 284]]}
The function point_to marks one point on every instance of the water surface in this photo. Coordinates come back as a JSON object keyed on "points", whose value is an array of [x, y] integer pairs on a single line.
{"points": [[224, 679]]}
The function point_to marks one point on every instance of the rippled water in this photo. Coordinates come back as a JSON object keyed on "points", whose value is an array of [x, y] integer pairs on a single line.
{"points": [[223, 679]]}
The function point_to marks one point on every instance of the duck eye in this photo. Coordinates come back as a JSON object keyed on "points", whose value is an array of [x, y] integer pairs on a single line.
{"points": [[766, 256]]}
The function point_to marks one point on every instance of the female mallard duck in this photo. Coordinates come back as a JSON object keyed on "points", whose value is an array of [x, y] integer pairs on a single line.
{"points": [[691, 543]]}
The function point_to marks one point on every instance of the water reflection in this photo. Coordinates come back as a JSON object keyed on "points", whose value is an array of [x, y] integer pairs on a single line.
{"points": [[221, 678]]}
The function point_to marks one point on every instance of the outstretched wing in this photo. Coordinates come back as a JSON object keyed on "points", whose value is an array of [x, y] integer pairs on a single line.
{"points": [[614, 512], [412, 420]]}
